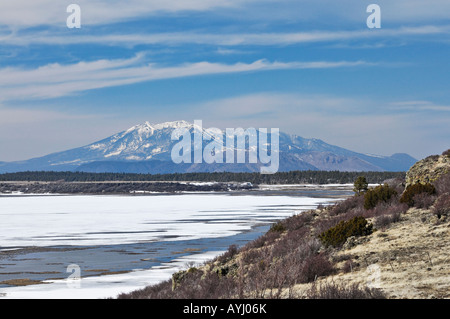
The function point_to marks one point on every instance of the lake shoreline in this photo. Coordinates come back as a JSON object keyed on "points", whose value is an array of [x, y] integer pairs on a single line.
{"points": [[127, 257], [134, 258]]}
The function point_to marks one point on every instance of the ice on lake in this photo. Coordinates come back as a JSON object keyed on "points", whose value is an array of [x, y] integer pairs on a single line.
{"points": [[99, 220], [51, 221]]}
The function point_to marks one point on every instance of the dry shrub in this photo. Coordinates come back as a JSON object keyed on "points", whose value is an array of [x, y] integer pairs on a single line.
{"points": [[343, 207], [264, 240], [397, 183], [442, 184], [278, 227], [308, 247], [299, 221], [388, 214], [442, 205], [323, 224], [229, 254], [423, 200], [290, 242], [159, 291], [205, 285], [340, 291], [385, 220], [314, 267], [387, 209], [250, 256]]}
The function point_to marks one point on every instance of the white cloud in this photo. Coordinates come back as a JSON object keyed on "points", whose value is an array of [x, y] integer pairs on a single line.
{"points": [[419, 106], [226, 39], [57, 80], [28, 13]]}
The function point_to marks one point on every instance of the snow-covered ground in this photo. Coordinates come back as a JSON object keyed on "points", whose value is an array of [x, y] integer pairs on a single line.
{"points": [[48, 221]]}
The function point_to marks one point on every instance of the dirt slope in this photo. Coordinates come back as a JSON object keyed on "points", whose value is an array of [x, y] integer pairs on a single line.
{"points": [[410, 259]]}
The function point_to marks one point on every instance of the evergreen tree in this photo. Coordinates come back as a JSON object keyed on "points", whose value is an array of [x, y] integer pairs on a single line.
{"points": [[360, 185]]}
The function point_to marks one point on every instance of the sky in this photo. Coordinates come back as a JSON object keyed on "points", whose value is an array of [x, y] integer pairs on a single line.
{"points": [[310, 68]]}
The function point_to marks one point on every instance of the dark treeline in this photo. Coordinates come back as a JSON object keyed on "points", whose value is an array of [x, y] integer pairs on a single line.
{"points": [[116, 187], [292, 177]]}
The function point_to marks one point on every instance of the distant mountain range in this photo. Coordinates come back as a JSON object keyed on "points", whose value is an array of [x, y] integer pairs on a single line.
{"points": [[147, 148]]}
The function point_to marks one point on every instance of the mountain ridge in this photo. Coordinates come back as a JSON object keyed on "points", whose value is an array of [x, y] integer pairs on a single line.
{"points": [[147, 147]]}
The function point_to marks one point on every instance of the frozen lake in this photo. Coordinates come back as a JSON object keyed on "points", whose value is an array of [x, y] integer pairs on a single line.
{"points": [[122, 243]]}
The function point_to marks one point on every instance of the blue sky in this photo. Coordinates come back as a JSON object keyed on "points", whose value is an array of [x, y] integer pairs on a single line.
{"points": [[311, 68]]}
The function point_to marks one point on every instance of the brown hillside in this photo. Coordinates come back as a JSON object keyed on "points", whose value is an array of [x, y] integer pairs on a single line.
{"points": [[389, 250]]}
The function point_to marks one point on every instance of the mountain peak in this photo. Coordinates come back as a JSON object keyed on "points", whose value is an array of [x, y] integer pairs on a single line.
{"points": [[171, 125], [150, 142], [147, 126]]}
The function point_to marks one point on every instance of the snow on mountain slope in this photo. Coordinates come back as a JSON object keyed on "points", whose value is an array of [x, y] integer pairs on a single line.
{"points": [[144, 143]]}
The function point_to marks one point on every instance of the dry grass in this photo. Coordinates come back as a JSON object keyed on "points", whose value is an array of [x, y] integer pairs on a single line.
{"points": [[408, 260], [21, 282]]}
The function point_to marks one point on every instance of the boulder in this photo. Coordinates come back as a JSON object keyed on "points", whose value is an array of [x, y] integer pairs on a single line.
{"points": [[428, 170]]}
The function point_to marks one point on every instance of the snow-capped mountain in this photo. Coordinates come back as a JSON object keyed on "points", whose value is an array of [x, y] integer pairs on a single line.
{"points": [[146, 148]]}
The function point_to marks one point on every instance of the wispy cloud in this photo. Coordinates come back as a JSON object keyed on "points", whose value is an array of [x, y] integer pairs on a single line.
{"points": [[29, 13], [224, 39], [26, 13], [57, 80], [419, 106]]}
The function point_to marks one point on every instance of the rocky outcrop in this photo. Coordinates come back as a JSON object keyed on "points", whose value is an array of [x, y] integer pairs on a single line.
{"points": [[429, 169]]}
